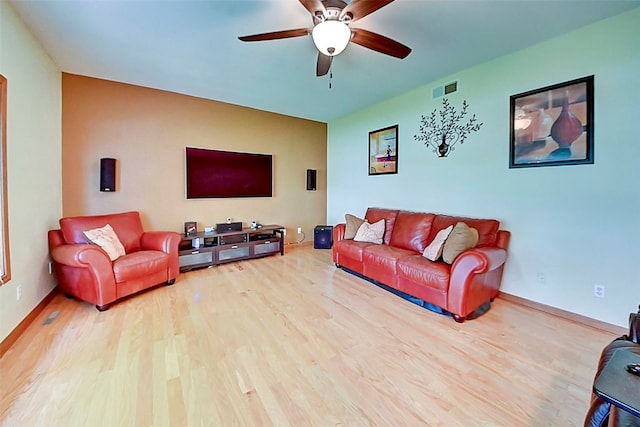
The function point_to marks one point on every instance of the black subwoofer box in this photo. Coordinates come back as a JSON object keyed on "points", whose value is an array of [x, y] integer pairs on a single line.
{"points": [[323, 237]]}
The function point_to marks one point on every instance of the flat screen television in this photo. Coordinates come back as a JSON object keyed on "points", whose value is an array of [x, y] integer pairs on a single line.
{"points": [[215, 174]]}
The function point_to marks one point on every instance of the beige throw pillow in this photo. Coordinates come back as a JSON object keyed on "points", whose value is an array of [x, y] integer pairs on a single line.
{"points": [[353, 224], [462, 237], [434, 250], [107, 239], [370, 232]]}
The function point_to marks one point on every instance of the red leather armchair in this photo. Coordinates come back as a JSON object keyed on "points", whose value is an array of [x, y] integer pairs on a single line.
{"points": [[86, 272]]}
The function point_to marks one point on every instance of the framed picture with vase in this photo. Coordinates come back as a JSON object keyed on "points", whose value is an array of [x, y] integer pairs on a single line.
{"points": [[553, 125]]}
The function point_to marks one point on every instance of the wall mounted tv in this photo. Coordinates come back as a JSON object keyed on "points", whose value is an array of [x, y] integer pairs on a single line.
{"points": [[214, 174]]}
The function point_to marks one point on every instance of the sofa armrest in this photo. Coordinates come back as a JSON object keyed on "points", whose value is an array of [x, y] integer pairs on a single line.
{"points": [[479, 260], [338, 232], [475, 279], [338, 235]]}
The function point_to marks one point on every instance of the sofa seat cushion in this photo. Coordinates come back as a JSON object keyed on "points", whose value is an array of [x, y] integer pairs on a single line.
{"points": [[420, 270], [137, 264], [411, 231], [351, 249], [487, 228], [380, 262]]}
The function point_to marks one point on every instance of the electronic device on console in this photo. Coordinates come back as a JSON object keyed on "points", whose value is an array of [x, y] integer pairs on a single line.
{"points": [[225, 227]]}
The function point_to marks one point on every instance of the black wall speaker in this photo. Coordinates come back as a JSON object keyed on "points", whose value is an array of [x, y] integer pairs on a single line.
{"points": [[311, 179], [322, 237], [107, 174]]}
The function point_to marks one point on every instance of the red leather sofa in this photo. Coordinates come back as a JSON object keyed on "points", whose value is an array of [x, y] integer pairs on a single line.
{"points": [[471, 282], [85, 271]]}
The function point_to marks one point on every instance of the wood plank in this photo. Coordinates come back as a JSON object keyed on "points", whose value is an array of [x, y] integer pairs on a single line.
{"points": [[292, 341]]}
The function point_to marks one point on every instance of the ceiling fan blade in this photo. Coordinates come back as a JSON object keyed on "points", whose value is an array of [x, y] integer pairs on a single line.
{"points": [[358, 9], [324, 63], [276, 35], [379, 43], [314, 7]]}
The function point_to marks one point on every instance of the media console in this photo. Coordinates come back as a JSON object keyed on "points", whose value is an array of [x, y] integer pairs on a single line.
{"points": [[208, 249]]}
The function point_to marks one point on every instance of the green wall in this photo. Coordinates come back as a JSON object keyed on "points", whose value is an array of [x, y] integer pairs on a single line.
{"points": [[574, 224]]}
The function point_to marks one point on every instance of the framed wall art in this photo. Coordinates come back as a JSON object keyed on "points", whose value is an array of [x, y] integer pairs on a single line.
{"points": [[553, 125], [383, 151], [190, 228]]}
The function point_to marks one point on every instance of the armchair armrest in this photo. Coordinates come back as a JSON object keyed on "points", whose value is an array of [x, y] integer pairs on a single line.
{"points": [[90, 263], [165, 241], [81, 256], [475, 279], [634, 326]]}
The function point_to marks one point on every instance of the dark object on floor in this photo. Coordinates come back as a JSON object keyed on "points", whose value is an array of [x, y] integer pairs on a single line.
{"points": [[602, 413], [322, 237]]}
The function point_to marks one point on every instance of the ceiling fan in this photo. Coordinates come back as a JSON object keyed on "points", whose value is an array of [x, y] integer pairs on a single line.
{"points": [[331, 31]]}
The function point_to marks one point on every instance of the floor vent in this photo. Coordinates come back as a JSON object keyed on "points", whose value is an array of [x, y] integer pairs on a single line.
{"points": [[51, 318]]}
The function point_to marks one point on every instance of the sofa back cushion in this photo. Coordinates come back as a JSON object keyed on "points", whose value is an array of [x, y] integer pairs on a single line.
{"points": [[487, 228], [126, 225], [411, 231], [374, 215]]}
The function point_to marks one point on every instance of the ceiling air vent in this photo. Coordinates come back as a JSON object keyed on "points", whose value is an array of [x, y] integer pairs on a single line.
{"points": [[443, 90]]}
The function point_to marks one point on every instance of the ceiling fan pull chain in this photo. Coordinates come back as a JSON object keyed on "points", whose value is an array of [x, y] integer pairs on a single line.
{"points": [[330, 77]]}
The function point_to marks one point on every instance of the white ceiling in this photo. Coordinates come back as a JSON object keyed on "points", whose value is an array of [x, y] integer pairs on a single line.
{"points": [[191, 46]]}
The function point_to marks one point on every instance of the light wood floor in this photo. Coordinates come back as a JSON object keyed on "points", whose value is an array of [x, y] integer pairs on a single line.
{"points": [[293, 341]]}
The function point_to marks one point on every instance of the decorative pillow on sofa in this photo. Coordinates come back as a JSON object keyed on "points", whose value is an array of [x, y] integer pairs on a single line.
{"points": [[370, 232], [434, 250], [352, 226], [462, 237], [107, 239]]}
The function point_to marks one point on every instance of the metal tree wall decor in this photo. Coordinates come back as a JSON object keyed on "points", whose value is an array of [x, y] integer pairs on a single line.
{"points": [[444, 135]]}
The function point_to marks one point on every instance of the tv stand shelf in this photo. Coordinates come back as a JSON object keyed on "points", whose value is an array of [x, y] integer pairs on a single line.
{"points": [[218, 248]]}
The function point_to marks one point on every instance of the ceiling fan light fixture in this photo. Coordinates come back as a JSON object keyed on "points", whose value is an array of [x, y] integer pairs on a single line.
{"points": [[331, 37]]}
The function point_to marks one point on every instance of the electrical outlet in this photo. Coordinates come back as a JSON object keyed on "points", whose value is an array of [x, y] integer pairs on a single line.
{"points": [[542, 278], [18, 292], [299, 230], [598, 290]]}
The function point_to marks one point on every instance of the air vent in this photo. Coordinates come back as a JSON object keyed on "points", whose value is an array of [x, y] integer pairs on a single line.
{"points": [[451, 88], [440, 91], [51, 318]]}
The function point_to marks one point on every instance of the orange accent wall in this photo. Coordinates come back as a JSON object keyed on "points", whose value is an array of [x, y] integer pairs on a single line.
{"points": [[147, 130]]}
